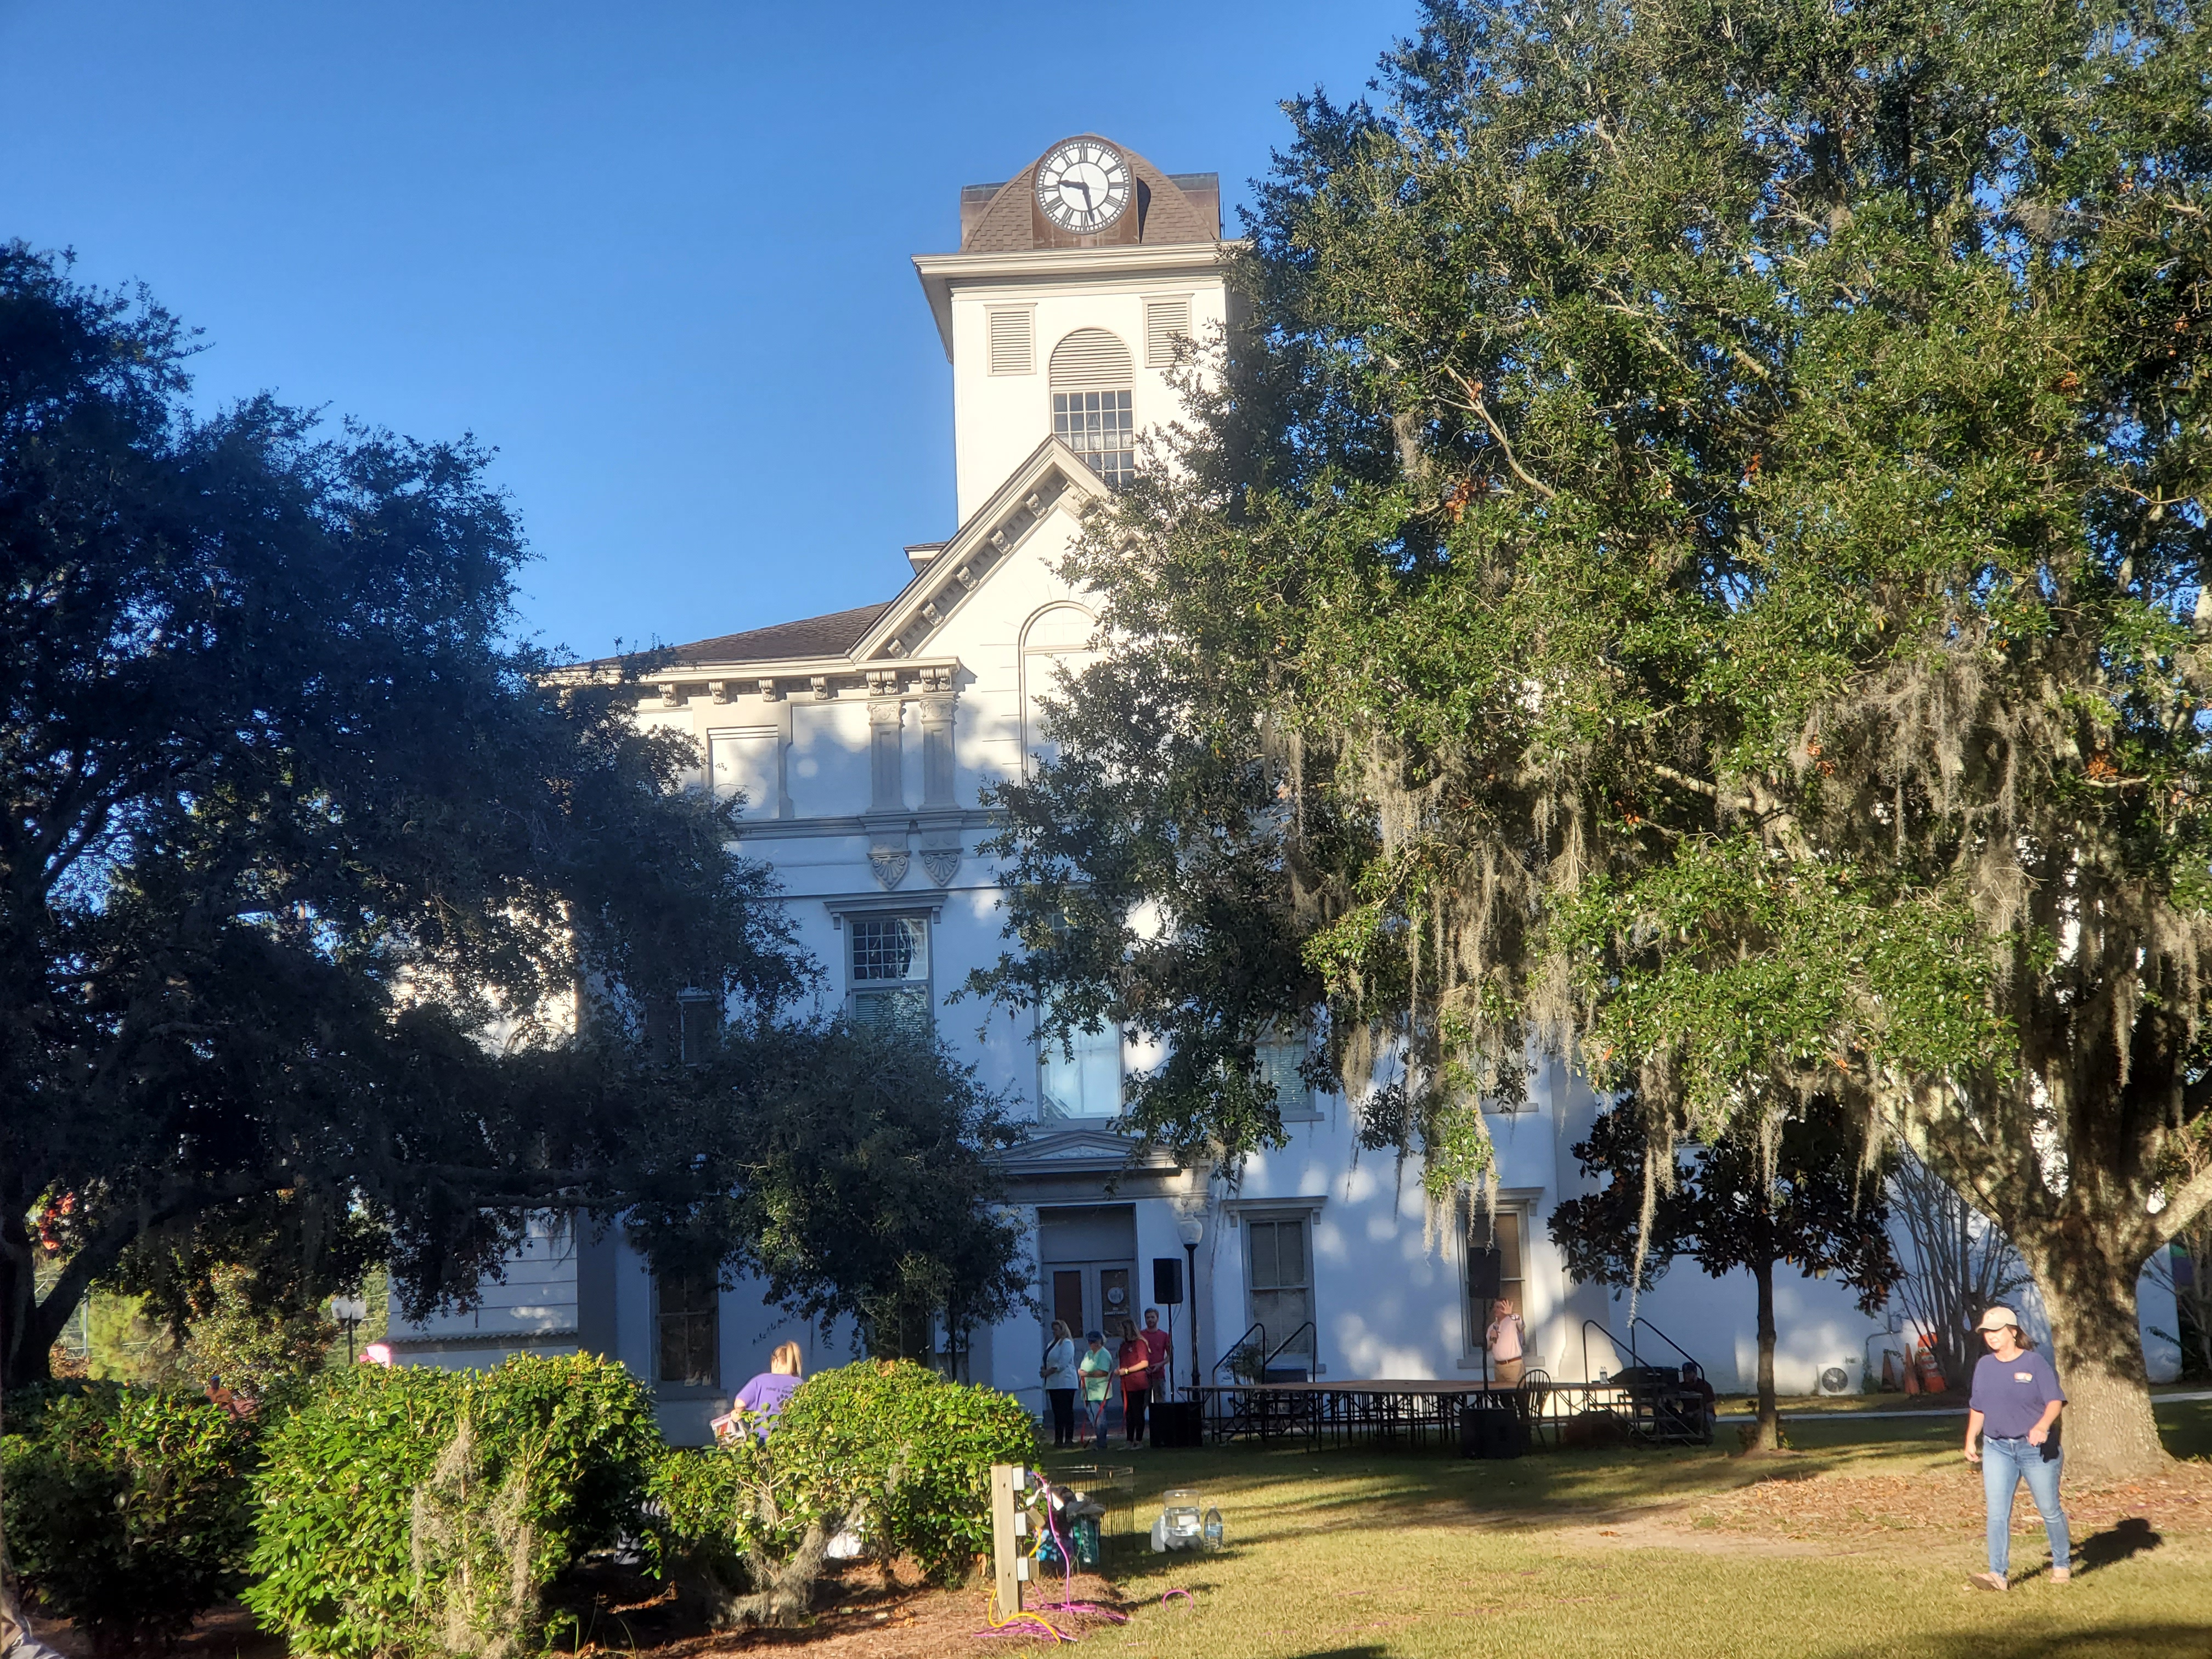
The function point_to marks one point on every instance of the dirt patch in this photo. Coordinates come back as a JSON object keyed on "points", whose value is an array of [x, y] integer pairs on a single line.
{"points": [[861, 1617], [866, 1613], [1946, 1501]]}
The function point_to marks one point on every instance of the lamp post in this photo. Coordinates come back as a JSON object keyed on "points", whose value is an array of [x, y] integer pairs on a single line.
{"points": [[1190, 1232], [348, 1311]]}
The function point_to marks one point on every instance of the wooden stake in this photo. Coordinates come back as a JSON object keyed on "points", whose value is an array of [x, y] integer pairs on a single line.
{"points": [[1005, 1545]]}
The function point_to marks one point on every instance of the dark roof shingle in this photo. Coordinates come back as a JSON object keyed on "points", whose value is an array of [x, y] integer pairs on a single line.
{"points": [[811, 636]]}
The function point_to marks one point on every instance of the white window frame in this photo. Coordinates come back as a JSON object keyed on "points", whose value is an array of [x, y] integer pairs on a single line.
{"points": [[1522, 1204], [1049, 1052], [923, 982], [1279, 1216], [1294, 1096], [689, 1386]]}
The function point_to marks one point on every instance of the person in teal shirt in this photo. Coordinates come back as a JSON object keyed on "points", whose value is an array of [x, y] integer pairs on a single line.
{"points": [[1096, 1371]]}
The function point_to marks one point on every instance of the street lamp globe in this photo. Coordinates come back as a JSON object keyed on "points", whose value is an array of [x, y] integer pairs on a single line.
{"points": [[1191, 1231]]}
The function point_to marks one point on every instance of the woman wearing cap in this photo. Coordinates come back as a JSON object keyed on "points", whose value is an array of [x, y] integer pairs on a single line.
{"points": [[1096, 1370], [2014, 1410]]}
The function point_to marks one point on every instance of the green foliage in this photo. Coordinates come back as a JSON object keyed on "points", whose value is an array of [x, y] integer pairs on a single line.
{"points": [[852, 1172], [1696, 563], [419, 1510], [888, 1448], [273, 754], [128, 1510]]}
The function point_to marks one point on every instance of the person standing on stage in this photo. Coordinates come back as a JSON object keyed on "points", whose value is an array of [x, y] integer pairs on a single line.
{"points": [[1506, 1342], [1161, 1350], [1133, 1364]]}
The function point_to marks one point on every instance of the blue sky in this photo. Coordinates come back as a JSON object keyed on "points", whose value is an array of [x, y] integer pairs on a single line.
{"points": [[656, 255]]}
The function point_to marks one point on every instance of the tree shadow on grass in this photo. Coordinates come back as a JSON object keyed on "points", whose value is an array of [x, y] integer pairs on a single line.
{"points": [[2132, 1536], [2112, 1639]]}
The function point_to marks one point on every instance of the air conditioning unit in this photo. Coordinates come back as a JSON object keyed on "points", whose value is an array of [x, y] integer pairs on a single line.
{"points": [[1841, 1378]]}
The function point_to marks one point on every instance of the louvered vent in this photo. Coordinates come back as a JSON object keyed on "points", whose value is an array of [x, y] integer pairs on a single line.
{"points": [[1166, 321], [1013, 350], [1090, 357]]}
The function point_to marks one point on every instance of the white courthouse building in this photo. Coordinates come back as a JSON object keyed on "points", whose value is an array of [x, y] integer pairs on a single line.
{"points": [[863, 742]]}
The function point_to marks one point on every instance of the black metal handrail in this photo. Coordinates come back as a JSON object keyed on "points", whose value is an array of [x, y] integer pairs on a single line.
{"points": [[1238, 1347], [1284, 1343], [1634, 1358], [1640, 1320], [1603, 1332]]}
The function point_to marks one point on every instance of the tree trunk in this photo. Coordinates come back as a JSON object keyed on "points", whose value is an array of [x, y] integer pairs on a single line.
{"points": [[1770, 1415], [28, 1331], [2108, 1428]]}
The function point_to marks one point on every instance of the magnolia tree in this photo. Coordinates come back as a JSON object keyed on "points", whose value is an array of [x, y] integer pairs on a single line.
{"points": [[1801, 1199], [1693, 562]]}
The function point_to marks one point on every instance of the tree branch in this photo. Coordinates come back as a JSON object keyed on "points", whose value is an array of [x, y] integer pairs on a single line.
{"points": [[1473, 389]]}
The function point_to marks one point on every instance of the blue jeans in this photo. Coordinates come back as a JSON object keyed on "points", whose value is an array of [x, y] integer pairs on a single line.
{"points": [[2005, 1464]]}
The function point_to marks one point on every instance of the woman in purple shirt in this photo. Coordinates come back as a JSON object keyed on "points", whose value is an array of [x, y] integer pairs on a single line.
{"points": [[2014, 1410], [760, 1399]]}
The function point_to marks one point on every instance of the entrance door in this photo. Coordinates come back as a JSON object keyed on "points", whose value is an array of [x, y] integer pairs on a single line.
{"points": [[1088, 1256], [1113, 1303], [1067, 1301]]}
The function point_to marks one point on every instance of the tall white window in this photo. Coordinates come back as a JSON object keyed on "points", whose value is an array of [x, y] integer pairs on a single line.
{"points": [[1493, 1268], [889, 964], [1279, 1058], [1279, 1285], [687, 1309], [1083, 1077], [1092, 409]]}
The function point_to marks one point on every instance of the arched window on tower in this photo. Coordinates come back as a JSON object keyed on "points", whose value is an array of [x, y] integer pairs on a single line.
{"points": [[1091, 374]]}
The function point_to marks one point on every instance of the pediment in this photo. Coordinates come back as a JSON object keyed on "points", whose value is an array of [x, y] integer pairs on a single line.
{"points": [[1086, 1149], [1052, 476]]}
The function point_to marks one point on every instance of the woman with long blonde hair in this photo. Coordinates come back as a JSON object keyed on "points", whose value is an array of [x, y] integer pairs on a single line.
{"points": [[760, 1399]]}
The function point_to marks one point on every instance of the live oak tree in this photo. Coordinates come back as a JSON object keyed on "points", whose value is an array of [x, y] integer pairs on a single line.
{"points": [[1737, 1204], [336, 926], [1694, 560]]}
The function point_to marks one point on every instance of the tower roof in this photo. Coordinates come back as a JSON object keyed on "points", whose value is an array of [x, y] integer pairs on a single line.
{"points": [[1171, 208]]}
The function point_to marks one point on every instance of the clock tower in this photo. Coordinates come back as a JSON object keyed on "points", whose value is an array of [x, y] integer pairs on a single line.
{"points": [[1076, 283]]}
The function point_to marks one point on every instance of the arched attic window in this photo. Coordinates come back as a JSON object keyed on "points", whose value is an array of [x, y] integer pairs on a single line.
{"points": [[1091, 374]]}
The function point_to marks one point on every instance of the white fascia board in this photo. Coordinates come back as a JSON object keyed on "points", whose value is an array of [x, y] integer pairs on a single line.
{"points": [[941, 272], [1050, 456]]}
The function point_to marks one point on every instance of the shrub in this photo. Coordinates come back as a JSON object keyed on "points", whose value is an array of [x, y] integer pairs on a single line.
{"points": [[889, 1449], [419, 1511], [127, 1509], [911, 1452]]}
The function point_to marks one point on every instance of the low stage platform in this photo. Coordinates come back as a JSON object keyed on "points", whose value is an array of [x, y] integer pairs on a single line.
{"points": [[1425, 1411]]}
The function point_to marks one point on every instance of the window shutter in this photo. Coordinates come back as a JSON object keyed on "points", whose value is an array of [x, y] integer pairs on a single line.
{"points": [[1091, 357], [1166, 321], [1013, 349]]}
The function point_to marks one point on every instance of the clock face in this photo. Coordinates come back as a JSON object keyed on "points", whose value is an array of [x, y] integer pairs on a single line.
{"points": [[1083, 185]]}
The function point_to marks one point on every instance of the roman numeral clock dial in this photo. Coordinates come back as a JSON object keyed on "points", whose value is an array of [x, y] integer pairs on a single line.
{"points": [[1083, 185]]}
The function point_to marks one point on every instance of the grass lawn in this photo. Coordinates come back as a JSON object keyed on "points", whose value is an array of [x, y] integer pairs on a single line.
{"points": [[1858, 1544]]}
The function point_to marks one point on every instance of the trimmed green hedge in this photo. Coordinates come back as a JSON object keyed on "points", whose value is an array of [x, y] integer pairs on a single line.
{"points": [[907, 1452], [419, 1510], [127, 1509]]}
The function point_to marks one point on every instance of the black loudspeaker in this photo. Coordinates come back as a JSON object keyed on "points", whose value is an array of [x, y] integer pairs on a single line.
{"points": [[1483, 1272], [1167, 1281], [1175, 1423], [1492, 1430]]}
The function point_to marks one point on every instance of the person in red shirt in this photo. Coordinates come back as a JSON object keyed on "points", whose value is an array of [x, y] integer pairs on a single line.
{"points": [[1133, 1364], [1162, 1346]]}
